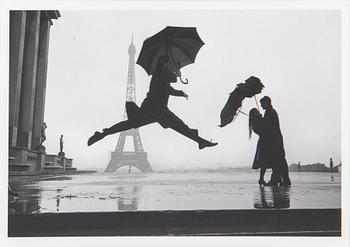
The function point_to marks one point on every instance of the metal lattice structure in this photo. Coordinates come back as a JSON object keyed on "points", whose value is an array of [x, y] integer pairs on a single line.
{"points": [[137, 158]]}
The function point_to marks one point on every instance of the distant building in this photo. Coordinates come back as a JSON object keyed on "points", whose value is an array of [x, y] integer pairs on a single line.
{"points": [[316, 167]]}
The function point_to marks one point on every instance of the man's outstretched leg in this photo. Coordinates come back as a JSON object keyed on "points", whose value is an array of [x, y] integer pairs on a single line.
{"points": [[172, 121], [202, 143], [119, 127]]}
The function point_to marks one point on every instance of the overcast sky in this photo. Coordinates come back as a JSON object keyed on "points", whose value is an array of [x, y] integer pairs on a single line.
{"points": [[296, 54]]}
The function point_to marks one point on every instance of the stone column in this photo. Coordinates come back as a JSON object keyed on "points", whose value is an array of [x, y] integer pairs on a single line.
{"points": [[25, 125], [17, 33], [40, 88]]}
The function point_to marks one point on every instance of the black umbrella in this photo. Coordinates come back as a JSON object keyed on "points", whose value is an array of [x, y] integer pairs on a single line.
{"points": [[180, 44], [250, 88]]}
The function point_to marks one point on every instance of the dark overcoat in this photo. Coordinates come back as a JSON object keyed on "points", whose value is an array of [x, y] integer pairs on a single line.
{"points": [[154, 107], [271, 148], [257, 128]]}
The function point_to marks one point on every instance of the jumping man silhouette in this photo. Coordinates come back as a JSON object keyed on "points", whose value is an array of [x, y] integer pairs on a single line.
{"points": [[154, 108]]}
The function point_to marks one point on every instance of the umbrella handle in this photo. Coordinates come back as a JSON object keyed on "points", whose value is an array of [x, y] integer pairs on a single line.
{"points": [[178, 68], [184, 82], [256, 103]]}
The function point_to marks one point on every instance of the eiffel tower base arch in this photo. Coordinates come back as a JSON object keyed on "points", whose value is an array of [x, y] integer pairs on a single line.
{"points": [[135, 159]]}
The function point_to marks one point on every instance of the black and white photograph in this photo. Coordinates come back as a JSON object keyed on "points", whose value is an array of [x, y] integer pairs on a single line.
{"points": [[172, 123]]}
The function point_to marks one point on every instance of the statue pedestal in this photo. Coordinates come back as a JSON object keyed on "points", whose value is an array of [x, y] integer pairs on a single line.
{"points": [[42, 149], [61, 154]]}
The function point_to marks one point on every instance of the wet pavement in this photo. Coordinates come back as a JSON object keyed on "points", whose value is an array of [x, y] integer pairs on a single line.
{"points": [[173, 191]]}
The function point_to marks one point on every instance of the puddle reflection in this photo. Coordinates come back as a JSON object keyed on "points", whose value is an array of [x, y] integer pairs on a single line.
{"points": [[130, 198], [32, 199], [28, 201], [272, 197]]}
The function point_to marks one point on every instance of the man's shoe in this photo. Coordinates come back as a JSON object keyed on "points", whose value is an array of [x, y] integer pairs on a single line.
{"points": [[96, 137], [205, 143]]}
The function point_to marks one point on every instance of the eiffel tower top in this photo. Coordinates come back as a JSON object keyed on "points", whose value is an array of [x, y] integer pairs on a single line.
{"points": [[132, 49], [130, 89]]}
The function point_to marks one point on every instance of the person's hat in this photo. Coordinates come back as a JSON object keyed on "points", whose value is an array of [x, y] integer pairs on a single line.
{"points": [[254, 81]]}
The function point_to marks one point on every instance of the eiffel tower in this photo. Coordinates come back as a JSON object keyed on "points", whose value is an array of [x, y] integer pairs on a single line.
{"points": [[137, 158]]}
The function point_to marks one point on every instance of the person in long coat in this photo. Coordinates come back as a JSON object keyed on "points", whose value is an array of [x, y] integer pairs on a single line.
{"points": [[272, 153], [256, 125], [154, 108]]}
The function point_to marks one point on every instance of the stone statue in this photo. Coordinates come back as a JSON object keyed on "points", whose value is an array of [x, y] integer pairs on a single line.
{"points": [[61, 144], [43, 133], [61, 153]]}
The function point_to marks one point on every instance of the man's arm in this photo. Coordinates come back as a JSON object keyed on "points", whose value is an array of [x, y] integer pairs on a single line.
{"points": [[175, 92]]}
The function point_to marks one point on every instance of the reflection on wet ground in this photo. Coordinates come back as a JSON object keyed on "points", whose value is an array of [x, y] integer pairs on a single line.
{"points": [[127, 203], [173, 191], [272, 197], [24, 203]]}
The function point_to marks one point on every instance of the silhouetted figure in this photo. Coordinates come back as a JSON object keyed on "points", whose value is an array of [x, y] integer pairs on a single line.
{"points": [[256, 125], [272, 153], [154, 108], [331, 164], [251, 87]]}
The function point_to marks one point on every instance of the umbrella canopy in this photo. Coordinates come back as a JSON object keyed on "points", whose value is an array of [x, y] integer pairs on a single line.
{"points": [[180, 44], [232, 106], [250, 88]]}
